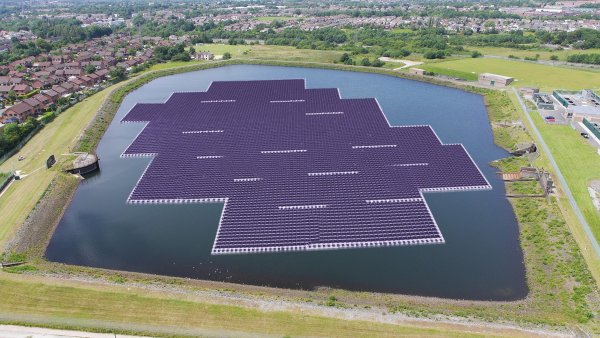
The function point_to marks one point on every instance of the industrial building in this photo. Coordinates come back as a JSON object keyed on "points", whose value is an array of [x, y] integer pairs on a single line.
{"points": [[495, 80], [579, 104]]}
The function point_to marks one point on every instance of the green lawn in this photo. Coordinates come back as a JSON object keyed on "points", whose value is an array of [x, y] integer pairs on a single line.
{"points": [[526, 73], [579, 163]]}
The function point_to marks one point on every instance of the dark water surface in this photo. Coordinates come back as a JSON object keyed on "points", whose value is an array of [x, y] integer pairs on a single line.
{"points": [[481, 259]]}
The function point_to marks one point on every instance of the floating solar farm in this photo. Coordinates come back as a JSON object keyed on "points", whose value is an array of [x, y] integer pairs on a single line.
{"points": [[297, 169]]}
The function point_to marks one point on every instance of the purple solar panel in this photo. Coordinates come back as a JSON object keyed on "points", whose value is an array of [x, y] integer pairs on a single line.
{"points": [[297, 169]]}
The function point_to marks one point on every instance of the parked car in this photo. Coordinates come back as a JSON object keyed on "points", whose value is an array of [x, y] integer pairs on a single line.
{"points": [[550, 118], [585, 135]]}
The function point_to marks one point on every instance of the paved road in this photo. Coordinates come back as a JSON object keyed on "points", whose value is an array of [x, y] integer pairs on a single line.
{"points": [[14, 331], [561, 179]]}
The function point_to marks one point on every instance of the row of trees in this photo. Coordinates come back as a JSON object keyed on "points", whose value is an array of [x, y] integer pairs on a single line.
{"points": [[347, 60], [592, 59], [584, 38]]}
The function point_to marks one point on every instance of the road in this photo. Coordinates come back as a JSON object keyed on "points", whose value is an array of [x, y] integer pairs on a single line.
{"points": [[14, 331], [561, 179]]}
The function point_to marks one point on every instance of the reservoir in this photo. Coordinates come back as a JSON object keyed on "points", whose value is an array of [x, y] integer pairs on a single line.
{"points": [[480, 260]]}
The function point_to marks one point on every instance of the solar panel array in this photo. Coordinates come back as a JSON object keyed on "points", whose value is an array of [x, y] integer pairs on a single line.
{"points": [[297, 169]]}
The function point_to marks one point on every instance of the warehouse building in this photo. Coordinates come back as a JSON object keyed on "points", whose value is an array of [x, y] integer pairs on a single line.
{"points": [[494, 80]]}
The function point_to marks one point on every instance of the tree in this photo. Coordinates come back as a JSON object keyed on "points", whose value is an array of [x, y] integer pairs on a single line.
{"points": [[377, 63], [89, 68], [12, 95], [192, 50], [183, 56], [117, 73], [365, 62], [226, 56]]}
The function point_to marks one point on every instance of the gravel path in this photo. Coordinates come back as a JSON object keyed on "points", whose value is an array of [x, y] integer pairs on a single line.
{"points": [[14, 331]]}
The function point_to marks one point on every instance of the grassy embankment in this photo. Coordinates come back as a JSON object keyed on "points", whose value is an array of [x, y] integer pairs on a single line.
{"points": [[118, 309], [56, 138], [553, 299]]}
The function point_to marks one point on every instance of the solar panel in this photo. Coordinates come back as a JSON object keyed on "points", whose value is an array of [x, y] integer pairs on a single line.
{"points": [[298, 169]]}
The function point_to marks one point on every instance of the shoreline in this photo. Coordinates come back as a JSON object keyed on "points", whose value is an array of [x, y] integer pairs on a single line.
{"points": [[104, 117]]}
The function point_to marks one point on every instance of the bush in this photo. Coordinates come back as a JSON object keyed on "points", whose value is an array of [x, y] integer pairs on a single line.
{"points": [[226, 56], [554, 57], [377, 63], [476, 54], [438, 54], [593, 59], [48, 117], [331, 301]]}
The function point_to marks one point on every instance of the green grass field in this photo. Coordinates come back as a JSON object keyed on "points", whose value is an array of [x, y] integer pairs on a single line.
{"points": [[526, 73], [264, 52], [543, 54]]}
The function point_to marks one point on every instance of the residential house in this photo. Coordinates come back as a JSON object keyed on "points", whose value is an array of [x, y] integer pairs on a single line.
{"points": [[35, 104], [22, 89], [44, 99], [52, 94], [20, 111], [5, 89], [204, 56]]}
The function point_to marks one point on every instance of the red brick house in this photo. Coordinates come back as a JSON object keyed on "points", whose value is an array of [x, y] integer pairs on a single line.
{"points": [[21, 111], [45, 100], [52, 94], [37, 106], [21, 89]]}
